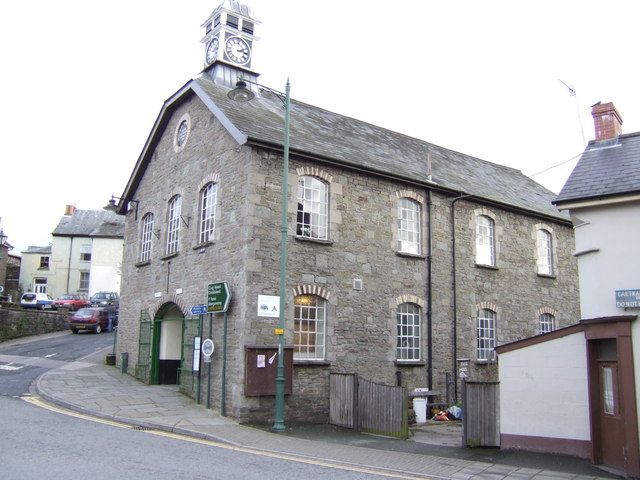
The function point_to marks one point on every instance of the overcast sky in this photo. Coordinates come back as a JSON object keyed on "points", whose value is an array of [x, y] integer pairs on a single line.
{"points": [[83, 82]]}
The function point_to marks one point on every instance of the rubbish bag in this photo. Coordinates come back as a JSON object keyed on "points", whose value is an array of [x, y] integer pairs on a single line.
{"points": [[455, 411]]}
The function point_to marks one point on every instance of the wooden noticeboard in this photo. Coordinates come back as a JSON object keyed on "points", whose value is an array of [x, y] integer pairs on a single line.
{"points": [[261, 369]]}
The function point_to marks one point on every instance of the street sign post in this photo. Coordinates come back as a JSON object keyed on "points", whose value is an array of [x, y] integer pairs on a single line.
{"points": [[219, 297]]}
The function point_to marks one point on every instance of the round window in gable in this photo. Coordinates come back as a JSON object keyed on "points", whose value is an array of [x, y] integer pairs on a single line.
{"points": [[182, 133]]}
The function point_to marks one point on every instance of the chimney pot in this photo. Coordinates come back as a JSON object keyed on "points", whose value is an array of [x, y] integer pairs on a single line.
{"points": [[69, 209], [607, 121]]}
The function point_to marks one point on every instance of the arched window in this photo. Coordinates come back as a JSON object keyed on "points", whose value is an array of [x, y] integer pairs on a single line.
{"points": [[309, 327], [485, 241], [486, 340], [146, 239], [547, 323], [173, 224], [408, 332], [545, 252], [313, 208], [208, 197], [409, 226]]}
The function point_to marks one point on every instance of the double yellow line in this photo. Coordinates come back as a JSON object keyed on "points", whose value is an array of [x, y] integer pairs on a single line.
{"points": [[39, 403]]}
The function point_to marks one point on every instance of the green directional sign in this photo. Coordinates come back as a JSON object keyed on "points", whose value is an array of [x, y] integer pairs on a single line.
{"points": [[219, 297]]}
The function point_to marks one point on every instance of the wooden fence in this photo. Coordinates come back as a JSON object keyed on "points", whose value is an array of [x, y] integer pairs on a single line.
{"points": [[481, 414], [367, 406]]}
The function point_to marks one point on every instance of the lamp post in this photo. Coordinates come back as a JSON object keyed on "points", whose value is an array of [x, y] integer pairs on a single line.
{"points": [[242, 94]]}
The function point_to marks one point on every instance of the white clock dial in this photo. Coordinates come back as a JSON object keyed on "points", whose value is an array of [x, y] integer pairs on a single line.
{"points": [[212, 51], [237, 50]]}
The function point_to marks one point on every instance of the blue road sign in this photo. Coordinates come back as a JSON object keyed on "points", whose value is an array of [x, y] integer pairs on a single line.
{"points": [[198, 310]]}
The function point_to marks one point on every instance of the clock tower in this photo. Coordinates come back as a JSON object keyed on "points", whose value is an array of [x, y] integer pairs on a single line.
{"points": [[228, 42]]}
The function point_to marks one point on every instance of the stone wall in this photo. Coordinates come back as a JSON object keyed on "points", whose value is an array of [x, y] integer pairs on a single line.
{"points": [[16, 323]]}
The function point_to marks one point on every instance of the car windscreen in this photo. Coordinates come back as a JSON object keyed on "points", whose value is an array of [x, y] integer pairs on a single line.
{"points": [[84, 313]]}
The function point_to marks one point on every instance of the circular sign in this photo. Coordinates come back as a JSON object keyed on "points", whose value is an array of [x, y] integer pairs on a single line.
{"points": [[207, 347]]}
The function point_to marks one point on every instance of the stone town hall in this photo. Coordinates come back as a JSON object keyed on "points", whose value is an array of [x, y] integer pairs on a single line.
{"points": [[406, 263]]}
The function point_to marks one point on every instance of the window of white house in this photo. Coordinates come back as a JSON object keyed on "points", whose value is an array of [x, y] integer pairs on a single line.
{"points": [[309, 327], [409, 226], [408, 332], [486, 341], [44, 262], [485, 241], [313, 207], [85, 253], [547, 323], [146, 239], [173, 227], [208, 212], [84, 281], [545, 252], [40, 285]]}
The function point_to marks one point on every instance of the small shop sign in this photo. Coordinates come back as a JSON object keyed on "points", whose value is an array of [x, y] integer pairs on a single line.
{"points": [[628, 298]]}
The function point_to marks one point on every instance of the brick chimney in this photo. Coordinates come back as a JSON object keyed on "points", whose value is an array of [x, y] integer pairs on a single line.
{"points": [[607, 121], [69, 209]]}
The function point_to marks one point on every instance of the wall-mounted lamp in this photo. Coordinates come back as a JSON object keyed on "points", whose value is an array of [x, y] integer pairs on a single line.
{"points": [[112, 207]]}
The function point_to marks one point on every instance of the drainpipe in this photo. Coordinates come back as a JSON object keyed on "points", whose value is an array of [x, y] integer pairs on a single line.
{"points": [[69, 266], [429, 296], [455, 302]]}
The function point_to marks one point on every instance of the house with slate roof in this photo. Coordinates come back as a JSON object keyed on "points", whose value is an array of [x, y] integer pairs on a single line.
{"points": [[85, 255], [589, 368], [406, 263]]}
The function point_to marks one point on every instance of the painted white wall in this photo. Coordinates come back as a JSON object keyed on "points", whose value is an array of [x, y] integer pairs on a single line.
{"points": [[615, 231], [170, 340], [544, 390], [106, 265]]}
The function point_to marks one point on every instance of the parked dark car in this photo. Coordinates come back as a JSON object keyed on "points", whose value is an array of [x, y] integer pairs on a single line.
{"points": [[92, 319], [102, 299], [72, 301]]}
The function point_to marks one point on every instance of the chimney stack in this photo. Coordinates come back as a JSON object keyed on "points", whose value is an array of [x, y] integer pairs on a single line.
{"points": [[607, 121], [69, 209]]}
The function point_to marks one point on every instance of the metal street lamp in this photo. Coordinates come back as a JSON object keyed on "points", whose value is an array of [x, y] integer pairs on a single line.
{"points": [[242, 94], [3, 237]]}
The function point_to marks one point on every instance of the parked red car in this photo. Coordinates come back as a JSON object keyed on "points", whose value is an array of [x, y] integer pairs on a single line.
{"points": [[92, 319], [72, 301]]}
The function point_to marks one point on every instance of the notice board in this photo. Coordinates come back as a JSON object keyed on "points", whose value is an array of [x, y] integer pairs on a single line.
{"points": [[261, 369]]}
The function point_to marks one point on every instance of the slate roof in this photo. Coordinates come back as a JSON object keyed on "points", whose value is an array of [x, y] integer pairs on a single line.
{"points": [[328, 136], [35, 249], [605, 169], [91, 223]]}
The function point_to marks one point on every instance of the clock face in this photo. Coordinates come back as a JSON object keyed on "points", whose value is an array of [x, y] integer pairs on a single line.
{"points": [[212, 51], [237, 50]]}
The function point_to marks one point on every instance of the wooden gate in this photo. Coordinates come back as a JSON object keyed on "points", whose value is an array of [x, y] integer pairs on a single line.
{"points": [[144, 347], [367, 406], [481, 418]]}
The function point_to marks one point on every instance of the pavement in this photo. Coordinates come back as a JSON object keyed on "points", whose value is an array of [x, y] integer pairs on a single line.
{"points": [[433, 451]]}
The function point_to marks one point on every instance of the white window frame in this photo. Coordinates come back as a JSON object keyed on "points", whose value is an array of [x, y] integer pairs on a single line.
{"points": [[547, 323], [208, 198], [85, 253], [486, 335], [84, 282], [40, 285], [313, 208], [146, 239], [173, 225], [409, 222], [310, 321], [544, 243], [408, 331], [485, 241], [44, 262]]}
